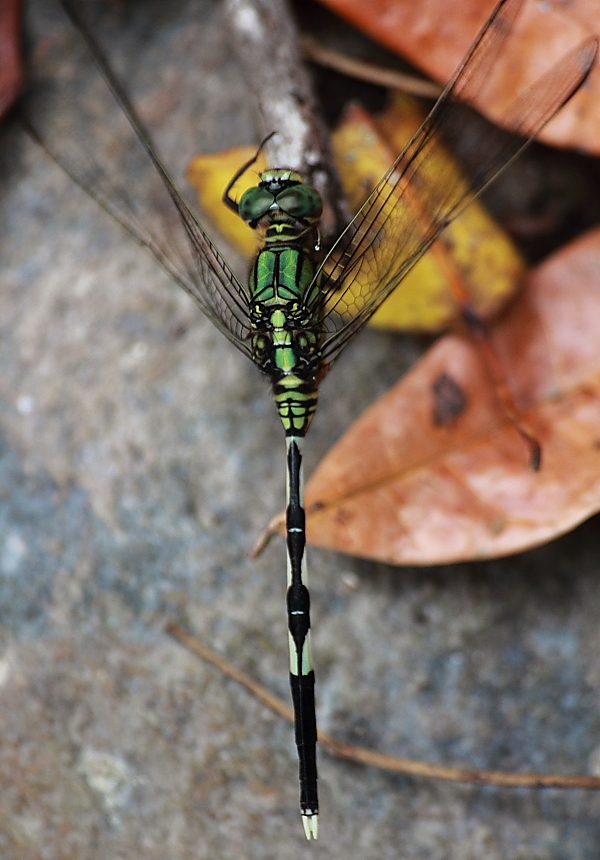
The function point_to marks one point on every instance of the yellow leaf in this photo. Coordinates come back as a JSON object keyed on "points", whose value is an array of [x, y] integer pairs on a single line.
{"points": [[473, 259], [209, 174]]}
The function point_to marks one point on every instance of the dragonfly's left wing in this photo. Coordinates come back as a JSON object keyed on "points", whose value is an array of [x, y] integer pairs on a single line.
{"points": [[416, 199], [118, 166]]}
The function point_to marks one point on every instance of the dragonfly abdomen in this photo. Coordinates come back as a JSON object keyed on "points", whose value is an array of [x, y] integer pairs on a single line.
{"points": [[302, 676], [296, 403]]}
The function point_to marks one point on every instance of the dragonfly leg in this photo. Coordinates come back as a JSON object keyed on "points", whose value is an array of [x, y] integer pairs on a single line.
{"points": [[227, 198]]}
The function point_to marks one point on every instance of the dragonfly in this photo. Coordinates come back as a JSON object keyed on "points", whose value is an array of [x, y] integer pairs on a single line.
{"points": [[300, 307]]}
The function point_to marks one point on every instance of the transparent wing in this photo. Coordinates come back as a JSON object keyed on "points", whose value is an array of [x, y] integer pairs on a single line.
{"points": [[416, 199], [109, 153]]}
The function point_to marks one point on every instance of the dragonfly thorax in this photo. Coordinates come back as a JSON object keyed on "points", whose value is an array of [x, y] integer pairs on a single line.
{"points": [[285, 315]]}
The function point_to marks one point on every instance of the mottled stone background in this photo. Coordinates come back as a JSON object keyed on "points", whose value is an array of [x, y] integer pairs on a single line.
{"points": [[140, 457]]}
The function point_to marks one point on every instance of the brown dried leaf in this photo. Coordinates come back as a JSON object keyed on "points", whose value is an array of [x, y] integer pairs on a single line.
{"points": [[435, 36], [434, 473]]}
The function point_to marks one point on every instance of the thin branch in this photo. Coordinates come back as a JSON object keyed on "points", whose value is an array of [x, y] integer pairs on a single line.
{"points": [[361, 755], [363, 71], [265, 39], [274, 527]]}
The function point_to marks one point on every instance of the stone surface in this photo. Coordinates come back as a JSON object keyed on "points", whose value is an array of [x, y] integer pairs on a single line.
{"points": [[140, 458]]}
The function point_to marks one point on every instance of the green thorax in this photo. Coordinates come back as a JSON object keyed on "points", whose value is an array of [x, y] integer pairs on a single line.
{"points": [[285, 306]]}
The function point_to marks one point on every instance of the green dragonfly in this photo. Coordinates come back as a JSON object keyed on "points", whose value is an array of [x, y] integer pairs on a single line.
{"points": [[300, 307]]}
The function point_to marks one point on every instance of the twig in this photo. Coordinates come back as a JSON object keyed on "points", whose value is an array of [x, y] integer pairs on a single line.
{"points": [[273, 528], [363, 71], [265, 39], [385, 762], [192, 644]]}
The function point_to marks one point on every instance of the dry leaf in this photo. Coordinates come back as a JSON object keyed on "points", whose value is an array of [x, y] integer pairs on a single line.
{"points": [[209, 174], [433, 472], [11, 71], [435, 36], [473, 256]]}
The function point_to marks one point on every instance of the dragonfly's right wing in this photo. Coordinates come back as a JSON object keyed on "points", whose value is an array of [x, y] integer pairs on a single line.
{"points": [[109, 165], [418, 198]]}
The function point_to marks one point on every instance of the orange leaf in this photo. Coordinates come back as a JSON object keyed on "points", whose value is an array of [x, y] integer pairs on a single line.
{"points": [[435, 36], [434, 473], [11, 70]]}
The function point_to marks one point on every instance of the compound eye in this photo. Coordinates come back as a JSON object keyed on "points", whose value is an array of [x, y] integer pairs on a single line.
{"points": [[254, 203], [300, 201]]}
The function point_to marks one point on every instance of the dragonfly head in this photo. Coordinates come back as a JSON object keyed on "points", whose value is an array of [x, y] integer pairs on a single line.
{"points": [[281, 191]]}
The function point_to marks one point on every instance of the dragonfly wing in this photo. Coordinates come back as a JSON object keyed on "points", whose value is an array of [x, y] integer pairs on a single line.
{"points": [[118, 166], [417, 198]]}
